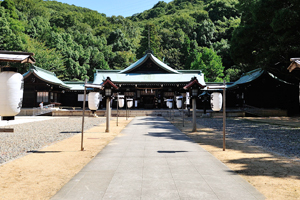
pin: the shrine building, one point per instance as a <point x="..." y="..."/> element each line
<point x="150" y="82"/>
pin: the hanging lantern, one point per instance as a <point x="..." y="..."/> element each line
<point x="216" y="101"/>
<point x="187" y="98"/>
<point x="121" y="101"/>
<point x="11" y="90"/>
<point x="129" y="103"/>
<point x="179" y="101"/>
<point x="94" y="100"/>
<point x="170" y="103"/>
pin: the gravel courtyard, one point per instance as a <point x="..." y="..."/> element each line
<point x="280" y="139"/>
<point x="32" y="136"/>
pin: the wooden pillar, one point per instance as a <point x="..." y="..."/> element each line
<point x="107" y="114"/>
<point x="224" y="116"/>
<point x="83" y="113"/>
<point x="194" y="115"/>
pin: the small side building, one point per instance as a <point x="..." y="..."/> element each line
<point x="262" y="89"/>
<point x="42" y="85"/>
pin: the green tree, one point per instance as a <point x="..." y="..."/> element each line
<point x="268" y="34"/>
<point x="9" y="5"/>
<point x="150" y="40"/>
<point x="8" y="39"/>
<point x="118" y="41"/>
<point x="233" y="74"/>
<point x="205" y="33"/>
<point x="210" y="64"/>
<point x="218" y="9"/>
<point x="48" y="59"/>
<point x="222" y="48"/>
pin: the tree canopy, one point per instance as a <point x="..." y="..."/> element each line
<point x="223" y="38"/>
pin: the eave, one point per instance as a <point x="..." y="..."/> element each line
<point x="192" y="83"/>
<point x="19" y="57"/>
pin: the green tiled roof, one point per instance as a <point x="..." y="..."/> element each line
<point x="247" y="77"/>
<point x="76" y="85"/>
<point x="46" y="76"/>
<point x="154" y="59"/>
<point x="170" y="76"/>
<point x="147" y="78"/>
<point x="252" y="75"/>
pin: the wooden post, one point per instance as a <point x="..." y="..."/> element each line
<point x="83" y="112"/>
<point x="107" y="114"/>
<point x="117" y="110"/>
<point x="126" y="109"/>
<point x="224" y="116"/>
<point x="194" y="115"/>
<point x="182" y="114"/>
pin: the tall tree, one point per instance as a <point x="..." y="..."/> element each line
<point x="268" y="34"/>
<point x="150" y="41"/>
<point x="8" y="39"/>
<point x="210" y="64"/>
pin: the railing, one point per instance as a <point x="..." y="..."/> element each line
<point x="40" y="111"/>
<point x="252" y="110"/>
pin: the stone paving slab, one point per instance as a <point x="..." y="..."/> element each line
<point x="151" y="159"/>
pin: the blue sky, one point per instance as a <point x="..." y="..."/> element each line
<point x="125" y="8"/>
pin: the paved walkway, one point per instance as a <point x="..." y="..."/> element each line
<point x="151" y="159"/>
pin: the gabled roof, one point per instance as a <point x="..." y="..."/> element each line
<point x="194" y="81"/>
<point x="108" y="82"/>
<point x="167" y="75"/>
<point x="150" y="56"/>
<point x="101" y="76"/>
<point x="46" y="76"/>
<point x="253" y="75"/>
<point x="294" y="65"/>
<point x="247" y="77"/>
<point x="13" y="56"/>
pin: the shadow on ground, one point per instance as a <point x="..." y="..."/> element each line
<point x="270" y="163"/>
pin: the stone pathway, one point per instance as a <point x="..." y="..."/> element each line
<point x="151" y="159"/>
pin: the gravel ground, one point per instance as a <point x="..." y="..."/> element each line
<point x="35" y="135"/>
<point x="27" y="137"/>
<point x="283" y="140"/>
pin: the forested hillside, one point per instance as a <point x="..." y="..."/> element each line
<point x="186" y="34"/>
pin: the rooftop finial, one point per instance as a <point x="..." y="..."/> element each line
<point x="148" y="37"/>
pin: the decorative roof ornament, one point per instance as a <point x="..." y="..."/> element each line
<point x="149" y="47"/>
<point x="294" y="65"/>
<point x="194" y="81"/>
<point x="148" y="51"/>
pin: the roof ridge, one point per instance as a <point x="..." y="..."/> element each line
<point x="253" y="71"/>
<point x="150" y="56"/>
<point x="43" y="70"/>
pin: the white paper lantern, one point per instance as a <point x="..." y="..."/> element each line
<point x="170" y="103"/>
<point x="11" y="93"/>
<point x="129" y="103"/>
<point x="179" y="101"/>
<point x="187" y="98"/>
<point x="121" y="101"/>
<point x="216" y="101"/>
<point x="94" y="100"/>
